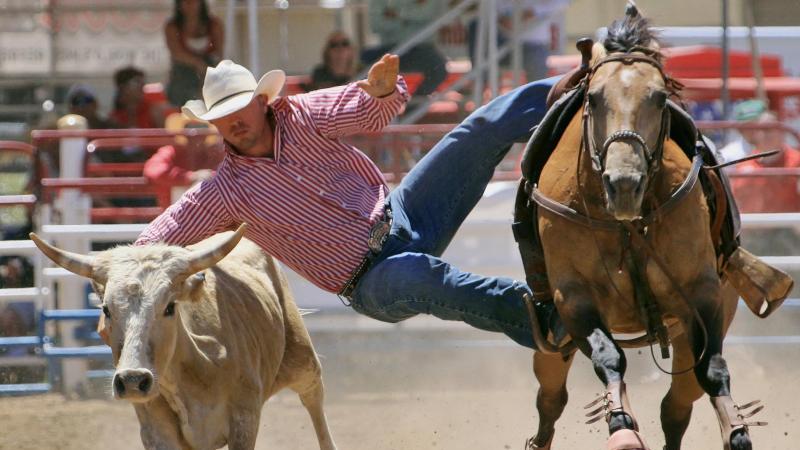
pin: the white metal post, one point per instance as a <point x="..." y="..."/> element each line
<point x="516" y="49"/>
<point x="74" y="209"/>
<point x="494" y="72"/>
<point x="230" y="34"/>
<point x="252" y="32"/>
<point x="480" y="53"/>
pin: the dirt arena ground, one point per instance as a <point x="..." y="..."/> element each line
<point x="427" y="384"/>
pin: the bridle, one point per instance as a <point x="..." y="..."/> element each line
<point x="653" y="157"/>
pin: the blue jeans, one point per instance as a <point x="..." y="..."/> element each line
<point x="407" y="277"/>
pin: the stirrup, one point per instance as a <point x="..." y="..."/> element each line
<point x="542" y="343"/>
<point x="732" y="416"/>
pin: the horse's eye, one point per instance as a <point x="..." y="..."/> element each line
<point x="106" y="311"/>
<point x="660" y="98"/>
<point x="591" y="98"/>
<point x="170" y="309"/>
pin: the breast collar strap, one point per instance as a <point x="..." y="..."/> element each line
<point x="654" y="216"/>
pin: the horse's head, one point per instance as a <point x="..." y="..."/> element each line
<point x="626" y="120"/>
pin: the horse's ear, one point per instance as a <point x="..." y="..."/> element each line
<point x="631" y="10"/>
<point x="598" y="52"/>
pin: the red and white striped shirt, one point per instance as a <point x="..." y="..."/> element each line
<point x="313" y="204"/>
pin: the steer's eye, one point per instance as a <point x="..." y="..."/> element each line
<point x="170" y="309"/>
<point x="106" y="311"/>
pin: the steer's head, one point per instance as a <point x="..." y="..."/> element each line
<point x="142" y="288"/>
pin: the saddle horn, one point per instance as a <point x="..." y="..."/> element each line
<point x="574" y="76"/>
<point x="584" y="45"/>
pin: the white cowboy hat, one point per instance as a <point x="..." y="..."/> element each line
<point x="230" y="87"/>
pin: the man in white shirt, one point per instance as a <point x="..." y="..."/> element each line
<point x="745" y="111"/>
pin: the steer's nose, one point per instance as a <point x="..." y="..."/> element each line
<point x="132" y="383"/>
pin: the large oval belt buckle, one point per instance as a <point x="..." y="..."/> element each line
<point x="377" y="236"/>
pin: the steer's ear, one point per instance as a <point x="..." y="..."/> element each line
<point x="193" y="285"/>
<point x="99" y="289"/>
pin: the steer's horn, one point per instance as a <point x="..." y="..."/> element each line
<point x="82" y="265"/>
<point x="203" y="259"/>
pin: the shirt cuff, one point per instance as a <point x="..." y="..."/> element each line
<point x="400" y="90"/>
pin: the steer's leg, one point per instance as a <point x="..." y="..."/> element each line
<point x="158" y="426"/>
<point x="551" y="372"/>
<point x="313" y="395"/>
<point x="243" y="426"/>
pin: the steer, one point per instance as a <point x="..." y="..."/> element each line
<point x="200" y="342"/>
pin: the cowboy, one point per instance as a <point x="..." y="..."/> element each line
<point x="323" y="208"/>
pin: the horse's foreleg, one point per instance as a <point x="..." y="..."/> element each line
<point x="676" y="407"/>
<point x="591" y="336"/>
<point x="610" y="364"/>
<point x="712" y="370"/>
<point x="551" y="372"/>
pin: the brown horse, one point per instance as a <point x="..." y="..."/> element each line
<point x="635" y="229"/>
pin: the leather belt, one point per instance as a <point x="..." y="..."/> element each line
<point x="377" y="237"/>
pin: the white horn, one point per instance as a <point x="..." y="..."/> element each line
<point x="203" y="259"/>
<point x="82" y="265"/>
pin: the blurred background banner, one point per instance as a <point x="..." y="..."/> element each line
<point x="81" y="38"/>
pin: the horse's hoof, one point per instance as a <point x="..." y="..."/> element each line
<point x="529" y="444"/>
<point x="626" y="440"/>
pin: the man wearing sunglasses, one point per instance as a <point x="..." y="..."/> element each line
<point x="338" y="65"/>
<point x="82" y="100"/>
<point x="323" y="208"/>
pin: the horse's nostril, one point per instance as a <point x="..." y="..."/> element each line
<point x="608" y="186"/>
<point x="639" y="188"/>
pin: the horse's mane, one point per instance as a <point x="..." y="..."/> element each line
<point x="631" y="32"/>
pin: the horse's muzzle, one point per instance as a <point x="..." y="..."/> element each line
<point x="624" y="193"/>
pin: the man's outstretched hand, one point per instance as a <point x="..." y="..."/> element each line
<point x="382" y="76"/>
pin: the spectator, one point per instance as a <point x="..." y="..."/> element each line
<point x="745" y="111"/>
<point x="338" y="63"/>
<point x="539" y="32"/>
<point x="82" y="100"/>
<point x="769" y="193"/>
<point x="397" y="21"/>
<point x="195" y="40"/>
<point x="131" y="108"/>
<point x="15" y="272"/>
<point x="174" y="168"/>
